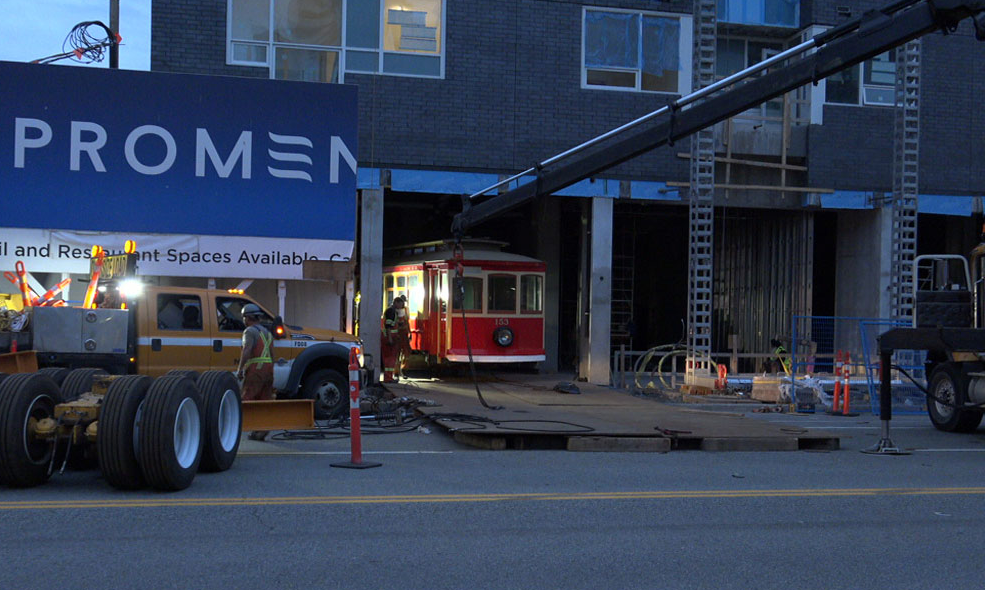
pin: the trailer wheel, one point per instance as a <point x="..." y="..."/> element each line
<point x="3" y="376"/>
<point x="193" y="375"/>
<point x="118" y="437"/>
<point x="330" y="391"/>
<point x="25" y="399"/>
<point x="79" y="381"/>
<point x="223" y="419"/>
<point x="950" y="385"/>
<point x="57" y="374"/>
<point x="170" y="446"/>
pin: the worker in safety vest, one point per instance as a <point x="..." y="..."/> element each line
<point x="390" y="341"/>
<point x="256" y="365"/>
<point x="403" y="338"/>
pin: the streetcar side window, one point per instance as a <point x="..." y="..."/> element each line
<point x="388" y="292"/>
<point x="531" y="294"/>
<point x="502" y="293"/>
<point x="415" y="294"/>
<point x="471" y="300"/>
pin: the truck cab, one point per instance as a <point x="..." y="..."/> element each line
<point x="201" y="329"/>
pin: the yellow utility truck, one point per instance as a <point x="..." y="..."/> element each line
<point x="178" y="328"/>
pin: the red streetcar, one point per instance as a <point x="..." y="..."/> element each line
<point x="503" y="301"/>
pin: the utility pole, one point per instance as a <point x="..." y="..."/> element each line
<point x="114" y="25"/>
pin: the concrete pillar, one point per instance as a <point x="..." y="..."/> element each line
<point x="863" y="262"/>
<point x="371" y="272"/>
<point x="548" y="228"/>
<point x="584" y="292"/>
<point x="600" y="292"/>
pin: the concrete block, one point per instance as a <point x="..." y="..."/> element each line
<point x="619" y="444"/>
<point x="750" y="444"/>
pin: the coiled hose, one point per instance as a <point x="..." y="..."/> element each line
<point x="639" y="368"/>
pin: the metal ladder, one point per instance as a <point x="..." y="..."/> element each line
<point x="623" y="279"/>
<point x="701" y="204"/>
<point x="906" y="143"/>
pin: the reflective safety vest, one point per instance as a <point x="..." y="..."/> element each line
<point x="263" y="355"/>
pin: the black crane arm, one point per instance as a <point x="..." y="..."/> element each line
<point x="839" y="48"/>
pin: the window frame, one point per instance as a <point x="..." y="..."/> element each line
<point x="481" y="297"/>
<point x="522" y="295"/>
<point x="685" y="22"/>
<point x="861" y="100"/>
<point x="271" y="45"/>
<point x="179" y="298"/>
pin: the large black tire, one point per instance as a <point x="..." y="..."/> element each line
<point x="79" y="381"/>
<point x="57" y="374"/>
<point x="119" y="425"/>
<point x="330" y="390"/>
<point x="25" y="397"/>
<point x="222" y="419"/>
<point x="950" y="385"/>
<point x="193" y="375"/>
<point x="3" y="376"/>
<point x="170" y="439"/>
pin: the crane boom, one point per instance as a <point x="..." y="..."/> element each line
<point x="837" y="49"/>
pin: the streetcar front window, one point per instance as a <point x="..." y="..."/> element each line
<point x="531" y="294"/>
<point x="502" y="293"/>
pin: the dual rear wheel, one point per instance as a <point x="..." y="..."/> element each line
<point x="156" y="432"/>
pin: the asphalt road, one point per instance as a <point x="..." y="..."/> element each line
<point x="440" y="515"/>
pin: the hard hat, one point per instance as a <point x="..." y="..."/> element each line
<point x="252" y="309"/>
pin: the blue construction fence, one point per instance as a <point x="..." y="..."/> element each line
<point x="815" y="342"/>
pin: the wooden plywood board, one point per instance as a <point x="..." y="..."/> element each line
<point x="610" y="413"/>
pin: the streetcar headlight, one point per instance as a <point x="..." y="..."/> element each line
<point x="503" y="336"/>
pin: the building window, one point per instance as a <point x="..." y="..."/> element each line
<point x="871" y="83"/>
<point x="736" y="54"/>
<point x="773" y="13"/>
<point x="320" y="40"/>
<point x="635" y="51"/>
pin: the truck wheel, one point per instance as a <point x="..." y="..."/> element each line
<point x="330" y="391"/>
<point x="223" y="419"/>
<point x="25" y="399"/>
<point x="170" y="446"/>
<point x="57" y="374"/>
<point x="2" y="377"/>
<point x="118" y="437"/>
<point x="79" y="381"/>
<point x="193" y="375"/>
<point x="950" y="385"/>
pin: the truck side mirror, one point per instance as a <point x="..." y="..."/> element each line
<point x="279" y="331"/>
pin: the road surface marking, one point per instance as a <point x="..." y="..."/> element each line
<point x="445" y="498"/>
<point x="282" y="453"/>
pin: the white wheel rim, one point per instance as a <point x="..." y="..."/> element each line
<point x="228" y="420"/>
<point x="328" y="394"/>
<point x="945" y="392"/>
<point x="187" y="433"/>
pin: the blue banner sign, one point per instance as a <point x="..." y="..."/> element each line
<point x="91" y="149"/>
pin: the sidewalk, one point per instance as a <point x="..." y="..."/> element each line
<point x="530" y="414"/>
